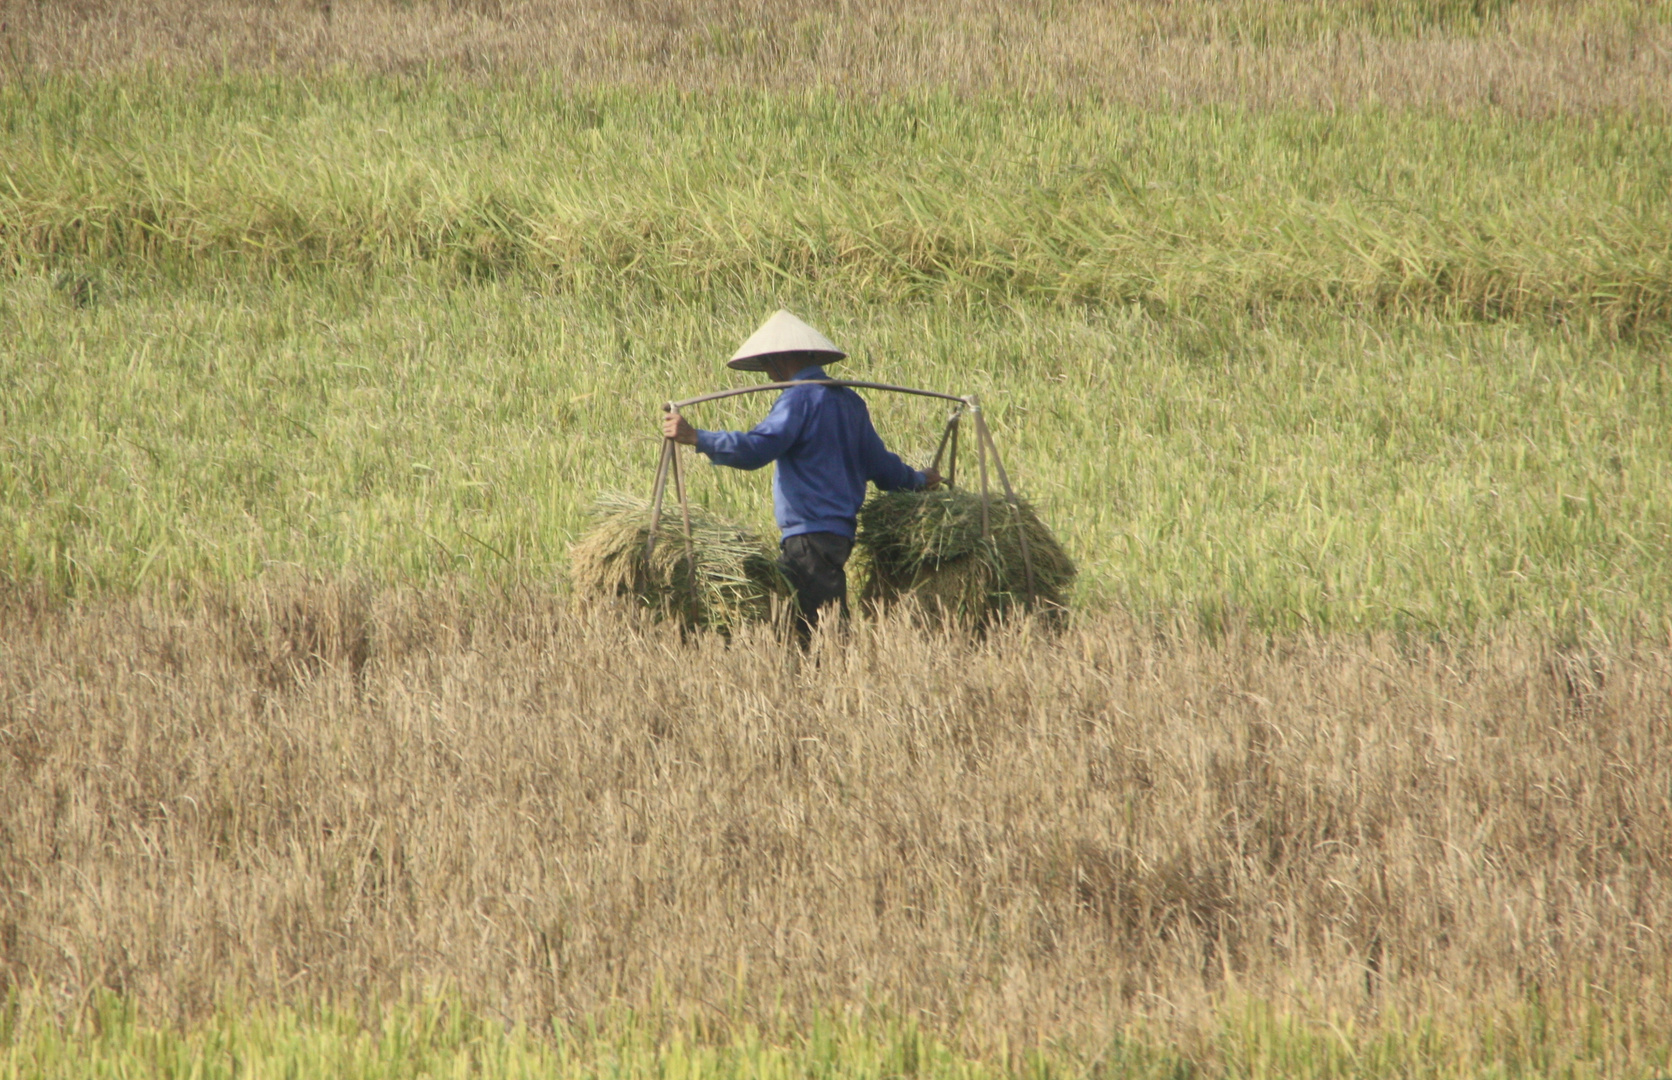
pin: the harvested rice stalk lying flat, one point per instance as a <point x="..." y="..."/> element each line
<point x="735" y="580"/>
<point x="929" y="545"/>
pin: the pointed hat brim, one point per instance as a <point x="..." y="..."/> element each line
<point x="783" y="333"/>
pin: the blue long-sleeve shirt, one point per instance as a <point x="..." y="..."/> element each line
<point x="827" y="451"/>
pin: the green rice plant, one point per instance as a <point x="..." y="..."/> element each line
<point x="931" y="545"/>
<point x="1365" y="369"/>
<point x="433" y="1037"/>
<point x="728" y="577"/>
<point x="909" y="199"/>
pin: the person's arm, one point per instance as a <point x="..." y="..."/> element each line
<point x="885" y="468"/>
<point x="746" y="449"/>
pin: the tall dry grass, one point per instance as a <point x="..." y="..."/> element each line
<point x="1529" y="57"/>
<point x="313" y="791"/>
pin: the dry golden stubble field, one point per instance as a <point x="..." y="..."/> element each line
<point x="317" y="792"/>
<point x="1533" y="58"/>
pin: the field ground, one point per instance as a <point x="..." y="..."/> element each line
<point x="1364" y="857"/>
<point x="1331" y="337"/>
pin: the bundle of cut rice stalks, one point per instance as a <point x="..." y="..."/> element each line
<point x="733" y="578"/>
<point x="929" y="545"/>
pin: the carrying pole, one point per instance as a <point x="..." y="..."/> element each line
<point x="856" y="384"/>
<point x="986" y="437"/>
<point x="656" y="496"/>
<point x="952" y="459"/>
<point x="948" y="445"/>
<point x="949" y="437"/>
<point x="981" y="462"/>
<point x="684" y="510"/>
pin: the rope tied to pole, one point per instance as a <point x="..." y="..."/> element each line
<point x="670" y="461"/>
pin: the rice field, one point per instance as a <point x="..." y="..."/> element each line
<point x="1306" y="370"/>
<point x="1330" y="340"/>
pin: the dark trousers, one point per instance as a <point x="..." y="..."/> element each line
<point x="816" y="566"/>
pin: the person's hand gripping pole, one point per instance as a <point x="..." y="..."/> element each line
<point x="676" y="428"/>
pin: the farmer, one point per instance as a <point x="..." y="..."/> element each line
<point x="826" y="450"/>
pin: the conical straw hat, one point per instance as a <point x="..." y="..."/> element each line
<point x="783" y="333"/>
